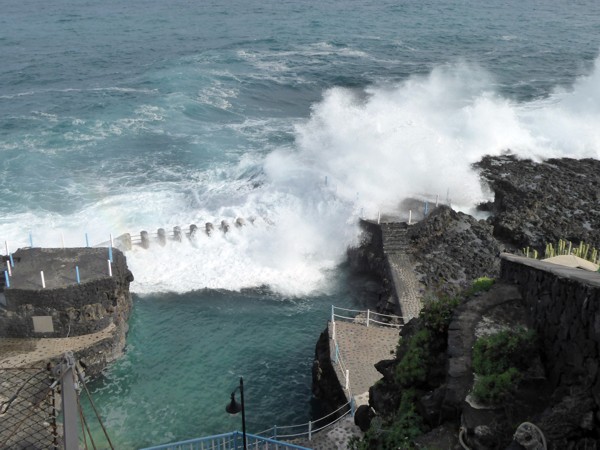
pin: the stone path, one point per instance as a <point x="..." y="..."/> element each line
<point x="360" y="348"/>
<point x="26" y="352"/>
<point x="407" y="286"/>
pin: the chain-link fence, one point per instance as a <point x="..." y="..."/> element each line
<point x="28" y="417"/>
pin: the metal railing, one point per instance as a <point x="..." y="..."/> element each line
<point x="229" y="441"/>
<point x="428" y="203"/>
<point x="361" y="317"/>
<point x="312" y="426"/>
<point x="366" y="317"/>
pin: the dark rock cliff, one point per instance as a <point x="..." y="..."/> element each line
<point x="539" y="202"/>
<point x="535" y="203"/>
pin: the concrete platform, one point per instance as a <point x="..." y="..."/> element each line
<point x="58" y="265"/>
<point x="360" y="348"/>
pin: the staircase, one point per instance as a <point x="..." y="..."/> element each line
<point x="401" y="267"/>
<point x="395" y="238"/>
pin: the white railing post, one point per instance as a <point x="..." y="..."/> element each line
<point x="347" y="379"/>
<point x="109" y="268"/>
<point x="368" y="316"/>
<point x="333" y="331"/>
<point x="332" y="314"/>
<point x="437" y="199"/>
<point x="409" y="217"/>
<point x="379" y="217"/>
<point x="43" y="280"/>
<point x="310" y="430"/>
<point x="9" y="269"/>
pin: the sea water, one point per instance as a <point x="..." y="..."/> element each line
<point x="297" y="116"/>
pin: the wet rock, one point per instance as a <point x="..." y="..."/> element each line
<point x="363" y="416"/>
<point x="452" y="250"/>
<point x="536" y="203"/>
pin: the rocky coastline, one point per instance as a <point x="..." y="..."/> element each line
<point x="535" y="203"/>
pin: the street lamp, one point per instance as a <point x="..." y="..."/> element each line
<point x="234" y="408"/>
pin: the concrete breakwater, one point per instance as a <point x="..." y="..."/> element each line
<point x="81" y="294"/>
<point x="145" y="239"/>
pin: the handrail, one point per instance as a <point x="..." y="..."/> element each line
<point x="307" y="424"/>
<point x="279" y="427"/>
<point x="344" y="317"/>
<point x="346" y="309"/>
<point x="368" y="319"/>
<point x="334" y="422"/>
<point x="231" y="443"/>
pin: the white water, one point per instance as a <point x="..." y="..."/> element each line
<point x="374" y="147"/>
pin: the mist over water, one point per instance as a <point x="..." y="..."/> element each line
<point x="121" y="117"/>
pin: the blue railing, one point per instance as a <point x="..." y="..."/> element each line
<point x="229" y="441"/>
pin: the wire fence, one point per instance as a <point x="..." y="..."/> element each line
<point x="28" y="414"/>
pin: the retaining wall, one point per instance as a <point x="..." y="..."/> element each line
<point x="564" y="306"/>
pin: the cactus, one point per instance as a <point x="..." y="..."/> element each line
<point x="565" y="247"/>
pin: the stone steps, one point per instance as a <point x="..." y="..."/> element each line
<point x="394" y="237"/>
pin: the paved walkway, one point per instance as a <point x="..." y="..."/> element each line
<point x="407" y="286"/>
<point x="25" y="352"/>
<point x="360" y="348"/>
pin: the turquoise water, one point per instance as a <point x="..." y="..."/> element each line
<point x="117" y="117"/>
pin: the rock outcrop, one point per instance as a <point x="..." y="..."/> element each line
<point x="540" y="202"/>
<point x="452" y="250"/>
<point x="535" y="203"/>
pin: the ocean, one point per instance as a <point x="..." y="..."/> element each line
<point x="298" y="117"/>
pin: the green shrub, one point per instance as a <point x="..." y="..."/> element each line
<point x="407" y="424"/>
<point x="480" y="284"/>
<point x="495" y="388"/>
<point x="413" y="367"/>
<point x="398" y="432"/>
<point x="437" y="313"/>
<point x="496" y="353"/>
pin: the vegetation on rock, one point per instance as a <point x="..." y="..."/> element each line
<point x="412" y="377"/>
<point x="481" y="284"/>
<point x="498" y="360"/>
<point x="566" y="247"/>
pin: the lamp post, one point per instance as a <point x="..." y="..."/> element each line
<point x="234" y="408"/>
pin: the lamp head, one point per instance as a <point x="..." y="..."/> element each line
<point x="233" y="407"/>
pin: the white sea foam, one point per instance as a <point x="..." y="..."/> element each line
<point x="374" y="147"/>
<point x="422" y="135"/>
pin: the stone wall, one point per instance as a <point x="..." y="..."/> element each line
<point x="564" y="306"/>
<point x="75" y="309"/>
<point x="325" y="383"/>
